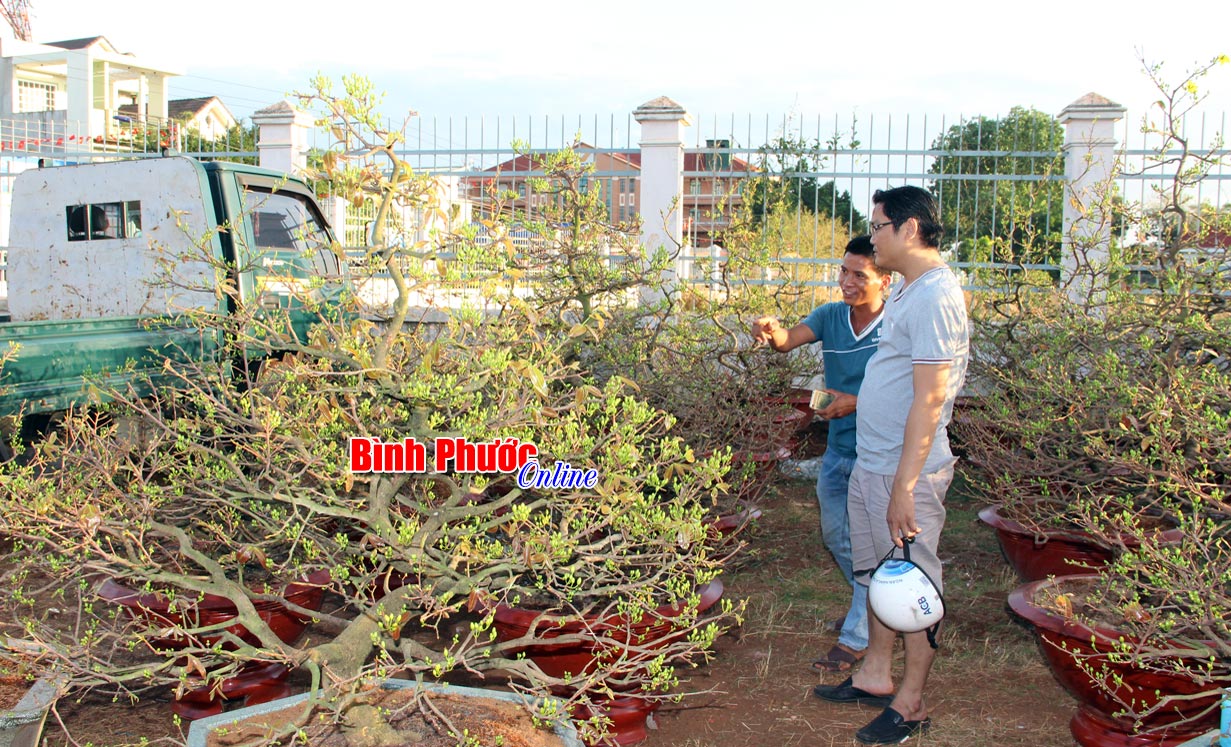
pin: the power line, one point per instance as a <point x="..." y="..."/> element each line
<point x="232" y="83"/>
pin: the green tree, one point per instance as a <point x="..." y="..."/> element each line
<point x="790" y="179"/>
<point x="238" y="139"/>
<point x="1009" y="220"/>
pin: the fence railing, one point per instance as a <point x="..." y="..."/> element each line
<point x="1000" y="181"/>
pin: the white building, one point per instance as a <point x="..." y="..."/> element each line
<point x="62" y="94"/>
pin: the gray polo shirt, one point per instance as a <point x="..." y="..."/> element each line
<point x="924" y="322"/>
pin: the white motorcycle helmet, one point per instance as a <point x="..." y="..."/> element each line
<point x="904" y="598"/>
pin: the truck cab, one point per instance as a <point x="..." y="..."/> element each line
<point x="108" y="262"/>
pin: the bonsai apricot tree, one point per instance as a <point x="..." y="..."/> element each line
<point x="1108" y="409"/>
<point x="239" y="480"/>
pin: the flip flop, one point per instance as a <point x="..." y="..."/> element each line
<point x="840" y="658"/>
<point x="848" y="693"/>
<point x="891" y="727"/>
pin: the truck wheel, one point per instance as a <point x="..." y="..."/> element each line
<point x="35" y="427"/>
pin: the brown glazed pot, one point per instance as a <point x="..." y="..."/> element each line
<point x="212" y="609"/>
<point x="763" y="465"/>
<point x="256" y="682"/>
<point x="628" y="715"/>
<point x="729" y="525"/>
<point x="612" y="633"/>
<point x="1096" y="724"/>
<point x="1036" y="555"/>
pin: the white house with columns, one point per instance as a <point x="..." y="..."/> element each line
<point x="72" y="91"/>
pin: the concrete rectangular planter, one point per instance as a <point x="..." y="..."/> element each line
<point x="22" y="726"/>
<point x="198" y="733"/>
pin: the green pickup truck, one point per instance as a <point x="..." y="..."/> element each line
<point x="104" y="259"/>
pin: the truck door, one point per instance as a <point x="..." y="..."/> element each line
<point x="290" y="251"/>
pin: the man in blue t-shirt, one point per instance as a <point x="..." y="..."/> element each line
<point x="848" y="332"/>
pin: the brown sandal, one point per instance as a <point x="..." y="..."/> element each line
<point x="839" y="659"/>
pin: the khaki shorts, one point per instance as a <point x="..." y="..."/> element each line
<point x="867" y="506"/>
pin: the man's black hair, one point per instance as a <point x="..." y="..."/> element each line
<point x="861" y="245"/>
<point x="900" y="204"/>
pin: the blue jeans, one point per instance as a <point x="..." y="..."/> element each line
<point x="831" y="489"/>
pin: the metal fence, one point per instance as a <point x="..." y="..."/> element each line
<point x="1149" y="164"/>
<point x="826" y="168"/>
<point x="999" y="180"/>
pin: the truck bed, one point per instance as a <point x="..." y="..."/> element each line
<point x="62" y="363"/>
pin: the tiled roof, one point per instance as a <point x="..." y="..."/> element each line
<point x="692" y="161"/>
<point x="177" y="108"/>
<point x="85" y="43"/>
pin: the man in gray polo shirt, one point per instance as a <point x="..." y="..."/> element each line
<point x="904" y="465"/>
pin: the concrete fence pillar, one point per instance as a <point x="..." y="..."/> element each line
<point x="158" y="97"/>
<point x="335" y="213"/>
<point x="1090" y="166"/>
<point x="662" y="178"/>
<point x="283" y="140"/>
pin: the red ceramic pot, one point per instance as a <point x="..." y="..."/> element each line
<point x="764" y="462"/>
<point x="255" y="683"/>
<point x="628" y="715"/>
<point x="1036" y="555"/>
<point x="801" y="399"/>
<point x="777" y="425"/>
<point x="308" y="593"/>
<point x="728" y="525"/>
<point x="787" y="426"/>
<point x="607" y="637"/>
<point x="1096" y="723"/>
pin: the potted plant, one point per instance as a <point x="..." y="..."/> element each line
<point x="262" y="467"/>
<point x="1103" y="411"/>
<point x="1062" y="396"/>
<point x="255" y="682"/>
<point x="1101" y="398"/>
<point x="607" y="641"/>
<point x="1136" y="681"/>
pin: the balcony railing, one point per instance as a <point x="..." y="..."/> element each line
<point x="50" y="133"/>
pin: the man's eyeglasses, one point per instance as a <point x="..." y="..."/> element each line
<point x="878" y="226"/>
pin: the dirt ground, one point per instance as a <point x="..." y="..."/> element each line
<point x="989" y="685"/>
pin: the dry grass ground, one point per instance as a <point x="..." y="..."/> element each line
<point x="989" y="685"/>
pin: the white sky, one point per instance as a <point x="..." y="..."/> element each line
<point x="718" y="58"/>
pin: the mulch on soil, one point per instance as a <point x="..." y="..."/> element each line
<point x="425" y="724"/>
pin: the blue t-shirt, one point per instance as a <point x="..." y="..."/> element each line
<point x="845" y="355"/>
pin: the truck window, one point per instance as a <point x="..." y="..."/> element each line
<point x="104" y="220"/>
<point x="288" y="234"/>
